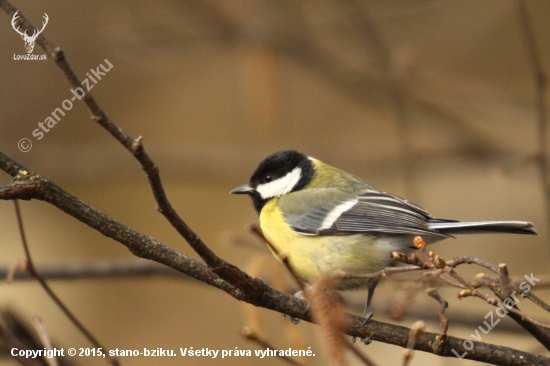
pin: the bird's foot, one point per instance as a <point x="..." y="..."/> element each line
<point x="366" y="340"/>
<point x="299" y="295"/>
<point x="367" y="315"/>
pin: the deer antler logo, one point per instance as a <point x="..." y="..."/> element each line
<point x="29" y="40"/>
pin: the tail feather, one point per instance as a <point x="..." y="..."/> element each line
<point x="482" y="227"/>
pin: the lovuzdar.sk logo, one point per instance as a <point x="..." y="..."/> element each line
<point x="29" y="40"/>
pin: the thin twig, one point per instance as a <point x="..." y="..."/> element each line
<point x="416" y="331"/>
<point x="32" y="270"/>
<point x="443" y="321"/>
<point x="535" y="299"/>
<point x="471" y="260"/>
<point x="92" y="270"/>
<point x="45" y="338"/>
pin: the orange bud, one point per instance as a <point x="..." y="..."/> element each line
<point x="419" y="242"/>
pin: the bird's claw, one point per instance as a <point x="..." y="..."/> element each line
<point x="299" y="295"/>
<point x="368" y="314"/>
<point x="367" y="340"/>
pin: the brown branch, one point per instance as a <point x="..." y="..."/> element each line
<point x="32" y="270"/>
<point x="45" y="338"/>
<point x="91" y="270"/>
<point x="535" y="299"/>
<point x="472" y="260"/>
<point x="443" y="321"/>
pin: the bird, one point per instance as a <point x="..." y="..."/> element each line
<point x="325" y="220"/>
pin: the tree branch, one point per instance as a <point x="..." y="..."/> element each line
<point x="91" y="270"/>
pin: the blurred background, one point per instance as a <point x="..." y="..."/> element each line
<point x="432" y="100"/>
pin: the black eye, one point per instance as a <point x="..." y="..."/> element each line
<point x="268" y="178"/>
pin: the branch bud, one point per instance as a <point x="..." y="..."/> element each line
<point x="464" y="293"/>
<point x="440" y="262"/>
<point x="480" y="276"/>
<point x="399" y="257"/>
<point x="416" y="329"/>
<point x="419" y="242"/>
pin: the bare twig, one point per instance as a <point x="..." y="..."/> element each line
<point x="443" y="321"/>
<point x="92" y="269"/>
<point x="506" y="287"/>
<point x="472" y="260"/>
<point x="45" y="338"/>
<point x="9" y="273"/>
<point x="535" y="299"/>
<point x="32" y="270"/>
<point x="416" y="330"/>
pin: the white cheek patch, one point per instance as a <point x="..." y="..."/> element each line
<point x="280" y="186"/>
<point x="335" y="213"/>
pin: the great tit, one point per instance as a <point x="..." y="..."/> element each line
<point x="324" y="219"/>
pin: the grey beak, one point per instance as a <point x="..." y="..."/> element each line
<point x="244" y="189"/>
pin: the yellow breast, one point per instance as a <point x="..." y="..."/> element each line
<point x="311" y="255"/>
<point x="296" y="247"/>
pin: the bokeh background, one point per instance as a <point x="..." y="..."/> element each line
<point x="431" y="100"/>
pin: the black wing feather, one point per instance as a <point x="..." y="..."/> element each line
<point x="374" y="212"/>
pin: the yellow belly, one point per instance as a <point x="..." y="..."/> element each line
<point x="311" y="255"/>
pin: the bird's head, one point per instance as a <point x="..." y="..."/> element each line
<point x="280" y="173"/>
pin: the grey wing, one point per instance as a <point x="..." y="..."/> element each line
<point x="369" y="212"/>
